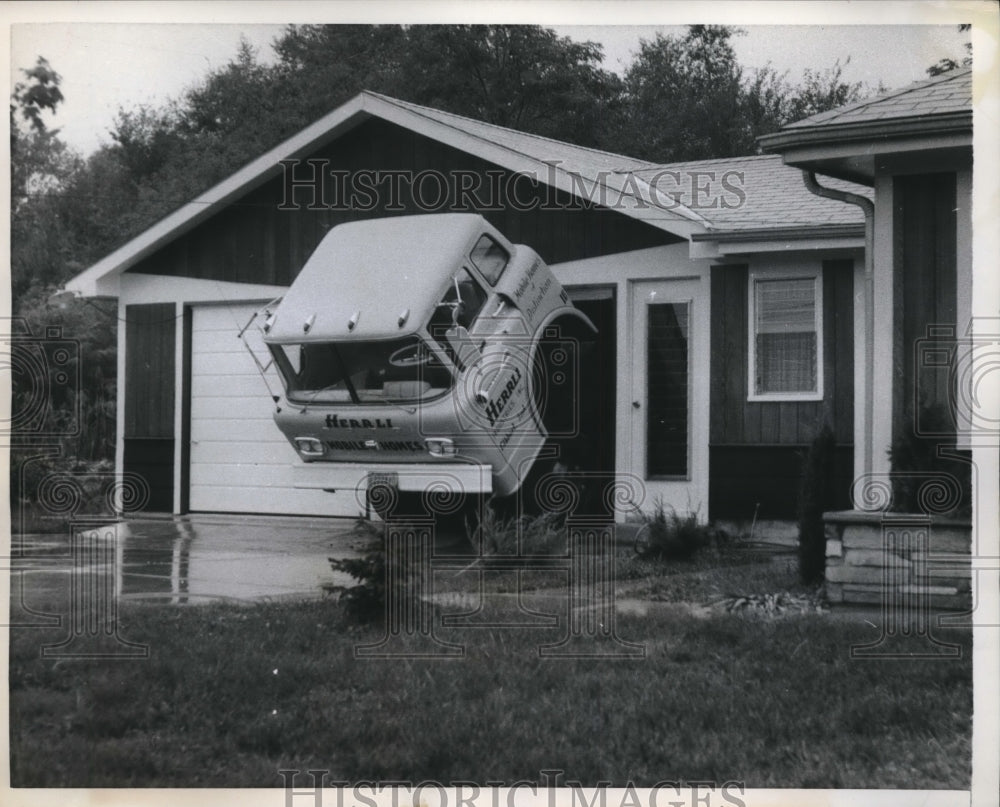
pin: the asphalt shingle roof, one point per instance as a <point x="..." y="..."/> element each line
<point x="948" y="93"/>
<point x="543" y="149"/>
<point x="774" y="194"/>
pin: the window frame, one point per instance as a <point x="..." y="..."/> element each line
<point x="492" y="281"/>
<point x="815" y="273"/>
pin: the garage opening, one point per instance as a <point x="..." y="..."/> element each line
<point x="597" y="396"/>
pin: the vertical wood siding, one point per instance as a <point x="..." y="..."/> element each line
<point x="149" y="399"/>
<point x="756" y="448"/>
<point x="149" y="370"/>
<point x="925" y="285"/>
<point x="737" y="421"/>
<point x="253" y="241"/>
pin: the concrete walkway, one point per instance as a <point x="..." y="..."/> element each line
<point x="190" y="559"/>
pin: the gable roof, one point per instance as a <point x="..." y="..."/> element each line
<point x="574" y="169"/>
<point x="628" y="185"/>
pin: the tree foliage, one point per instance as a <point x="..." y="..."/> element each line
<point x="39" y="92"/>
<point x="688" y="98"/>
<point x="684" y="95"/>
<point x="947" y="64"/>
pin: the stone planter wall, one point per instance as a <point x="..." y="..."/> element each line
<point x="879" y="557"/>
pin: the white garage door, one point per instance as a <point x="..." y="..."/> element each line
<point x="240" y="461"/>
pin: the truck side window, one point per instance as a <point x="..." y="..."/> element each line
<point x="490" y="258"/>
<point x="460" y="305"/>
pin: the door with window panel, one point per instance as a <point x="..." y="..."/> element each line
<point x="669" y="411"/>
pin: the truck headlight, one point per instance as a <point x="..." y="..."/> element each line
<point x="440" y="447"/>
<point x="309" y="446"/>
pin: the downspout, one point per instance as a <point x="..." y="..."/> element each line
<point x="868" y="208"/>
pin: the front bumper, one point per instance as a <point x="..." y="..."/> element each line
<point x="460" y="478"/>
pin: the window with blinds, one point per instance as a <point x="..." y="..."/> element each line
<point x="785" y="337"/>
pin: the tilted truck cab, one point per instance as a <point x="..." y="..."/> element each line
<point x="426" y="353"/>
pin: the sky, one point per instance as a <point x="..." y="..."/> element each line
<point x="110" y="65"/>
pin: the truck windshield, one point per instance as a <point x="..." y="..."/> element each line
<point x="388" y="371"/>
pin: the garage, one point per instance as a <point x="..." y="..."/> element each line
<point x="240" y="462"/>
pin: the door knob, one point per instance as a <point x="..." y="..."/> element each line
<point x="635" y="404"/>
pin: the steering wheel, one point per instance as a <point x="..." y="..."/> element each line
<point x="410" y="355"/>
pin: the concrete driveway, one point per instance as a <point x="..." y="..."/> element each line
<point x="187" y="560"/>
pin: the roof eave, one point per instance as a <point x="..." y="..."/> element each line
<point x="863" y="135"/>
<point x="783" y="233"/>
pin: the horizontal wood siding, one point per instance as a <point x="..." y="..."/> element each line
<point x="253" y="241"/>
<point x="149" y="399"/>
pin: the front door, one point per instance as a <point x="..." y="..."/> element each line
<point x="669" y="390"/>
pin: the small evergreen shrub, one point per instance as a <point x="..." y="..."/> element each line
<point x="365" y="602"/>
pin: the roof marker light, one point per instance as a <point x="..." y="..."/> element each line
<point x="308" y="323"/>
<point x="405" y="315"/>
<point x="353" y="321"/>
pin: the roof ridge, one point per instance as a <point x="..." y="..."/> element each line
<point x="712" y="160"/>
<point x="422" y="107"/>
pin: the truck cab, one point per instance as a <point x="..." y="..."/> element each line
<point x="426" y="356"/>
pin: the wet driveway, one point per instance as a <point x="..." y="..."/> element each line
<point x="185" y="560"/>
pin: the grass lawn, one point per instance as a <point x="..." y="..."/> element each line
<point x="231" y="694"/>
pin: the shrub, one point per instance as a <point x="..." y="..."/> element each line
<point x="814" y="498"/>
<point x="540" y="534"/>
<point x="667" y="535"/>
<point x="30" y="468"/>
<point x="366" y="600"/>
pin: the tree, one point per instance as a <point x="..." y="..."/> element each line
<point x="688" y="98"/>
<point x="45" y="251"/>
<point x="822" y="90"/>
<point x="39" y="93"/>
<point x="520" y="76"/>
<point x="946" y="64"/>
<point x="41" y="167"/>
<point x="683" y="97"/>
<point x="38" y="157"/>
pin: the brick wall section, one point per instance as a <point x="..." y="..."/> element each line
<point x="875" y="558"/>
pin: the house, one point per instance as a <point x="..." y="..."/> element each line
<point x="913" y="310"/>
<point x="725" y="293"/>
